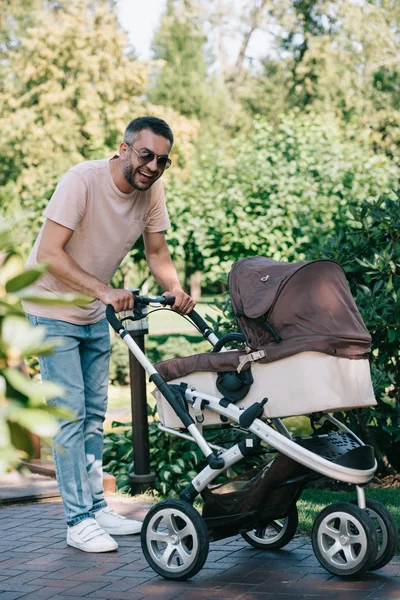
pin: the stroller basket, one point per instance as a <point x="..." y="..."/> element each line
<point x="267" y="495"/>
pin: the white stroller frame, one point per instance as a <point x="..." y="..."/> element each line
<point x="279" y="439"/>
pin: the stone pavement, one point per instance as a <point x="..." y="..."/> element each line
<point x="36" y="564"/>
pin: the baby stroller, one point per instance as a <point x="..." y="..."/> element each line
<point x="305" y="352"/>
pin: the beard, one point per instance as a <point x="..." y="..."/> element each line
<point x="129" y="173"/>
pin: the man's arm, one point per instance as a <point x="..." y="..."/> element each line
<point x="62" y="267"/>
<point x="164" y="272"/>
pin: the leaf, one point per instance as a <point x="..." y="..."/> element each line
<point x="19" y="334"/>
<point x="52" y="299"/>
<point x="30" y="388"/>
<point x="39" y="422"/>
<point x="24" y="279"/>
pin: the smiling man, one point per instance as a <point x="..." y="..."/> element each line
<point x="98" y="211"/>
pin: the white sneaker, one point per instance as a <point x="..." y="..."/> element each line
<point x="116" y="524"/>
<point x="87" y="535"/>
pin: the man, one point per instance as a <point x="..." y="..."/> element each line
<point x="97" y="213"/>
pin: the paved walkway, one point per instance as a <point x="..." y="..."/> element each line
<point x="36" y="564"/>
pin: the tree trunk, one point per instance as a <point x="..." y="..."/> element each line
<point x="254" y="22"/>
<point x="195" y="285"/>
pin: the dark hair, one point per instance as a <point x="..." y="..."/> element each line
<point x="157" y="126"/>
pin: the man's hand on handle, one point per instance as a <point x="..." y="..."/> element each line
<point x="184" y="303"/>
<point x="119" y="299"/>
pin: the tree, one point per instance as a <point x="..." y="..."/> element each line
<point x="69" y="90"/>
<point x="180" y="79"/>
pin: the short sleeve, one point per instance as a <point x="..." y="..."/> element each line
<point x="67" y="205"/>
<point x="158" y="219"/>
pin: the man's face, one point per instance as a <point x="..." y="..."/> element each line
<point x="142" y="176"/>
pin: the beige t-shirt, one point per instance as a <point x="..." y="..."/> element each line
<point x="106" y="224"/>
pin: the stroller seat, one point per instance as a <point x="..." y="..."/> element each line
<point x="310" y="343"/>
<point x="297" y="385"/>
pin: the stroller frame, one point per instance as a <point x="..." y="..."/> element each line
<point x="187" y="536"/>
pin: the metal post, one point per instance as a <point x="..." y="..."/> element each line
<point x="141" y="477"/>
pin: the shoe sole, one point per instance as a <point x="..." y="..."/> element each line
<point x="116" y="532"/>
<point x="74" y="545"/>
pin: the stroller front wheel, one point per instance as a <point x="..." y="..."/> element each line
<point x="386" y="529"/>
<point x="276" y="534"/>
<point x="344" y="539"/>
<point x="175" y="539"/>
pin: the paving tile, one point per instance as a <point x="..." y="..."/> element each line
<point x="114" y="595"/>
<point x="83" y="589"/>
<point x="12" y="595"/>
<point x="45" y="568"/>
<point x="47" y="593"/>
<point x="16" y="587"/>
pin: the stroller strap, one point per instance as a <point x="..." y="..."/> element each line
<point x="251" y="357"/>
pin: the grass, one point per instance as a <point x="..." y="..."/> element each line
<point x="167" y="321"/>
<point x="313" y="501"/>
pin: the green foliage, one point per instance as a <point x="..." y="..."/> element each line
<point x="180" y="78"/>
<point x="175" y="461"/>
<point x="22" y="406"/>
<point x="279" y="192"/>
<point x="369" y="250"/>
<point x="68" y="90"/>
<point x="158" y="348"/>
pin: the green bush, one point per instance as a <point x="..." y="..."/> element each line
<point x="276" y="191"/>
<point x="367" y="245"/>
<point x="158" y="348"/>
<point x="369" y="250"/>
<point x="174" y="460"/>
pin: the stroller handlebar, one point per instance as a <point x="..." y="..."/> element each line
<point x="117" y="325"/>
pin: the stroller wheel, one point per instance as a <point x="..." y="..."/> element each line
<point x="276" y="534"/>
<point x="344" y="539"/>
<point x="175" y="539"/>
<point x="386" y="530"/>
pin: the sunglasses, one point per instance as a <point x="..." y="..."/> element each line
<point x="147" y="156"/>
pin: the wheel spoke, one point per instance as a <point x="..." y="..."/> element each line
<point x="169" y="524"/>
<point x="260" y="533"/>
<point x="350" y="555"/>
<point x="159" y="536"/>
<point x="329" y="531"/>
<point x="165" y="558"/>
<point x="356" y="539"/>
<point x="333" y="550"/>
<point x="185" y="556"/>
<point x="277" y="525"/>
<point x="186" y="531"/>
<point x="345" y="527"/>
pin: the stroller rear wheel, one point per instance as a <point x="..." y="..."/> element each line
<point x="344" y="539"/>
<point x="276" y="534"/>
<point x="175" y="539"/>
<point x="386" y="530"/>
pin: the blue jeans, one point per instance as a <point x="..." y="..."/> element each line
<point x="81" y="367"/>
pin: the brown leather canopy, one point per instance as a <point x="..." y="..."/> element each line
<point x="308" y="304"/>
<point x="284" y="309"/>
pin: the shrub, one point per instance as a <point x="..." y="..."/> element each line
<point x="174" y="460"/>
<point x="369" y="250"/>
<point x="158" y="348"/>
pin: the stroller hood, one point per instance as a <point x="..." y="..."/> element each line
<point x="286" y="308"/>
